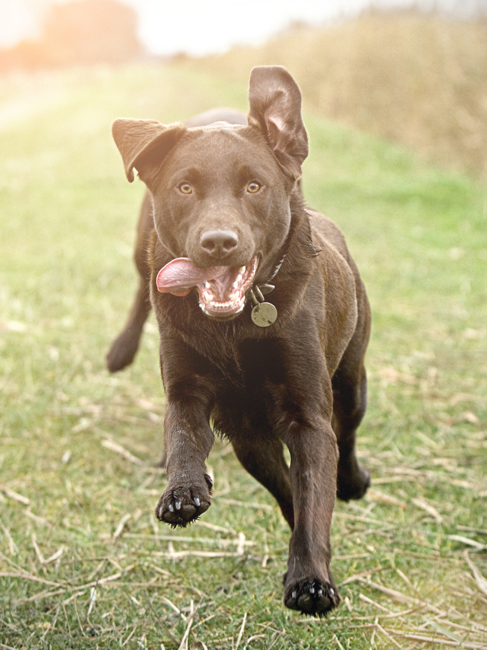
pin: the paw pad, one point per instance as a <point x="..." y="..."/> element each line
<point x="181" y="506"/>
<point x="312" y="597"/>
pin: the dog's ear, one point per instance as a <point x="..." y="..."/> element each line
<point x="143" y="144"/>
<point x="275" y="108"/>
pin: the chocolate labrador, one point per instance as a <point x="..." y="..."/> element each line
<point x="262" y="314"/>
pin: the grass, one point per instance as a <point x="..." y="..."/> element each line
<point x="83" y="564"/>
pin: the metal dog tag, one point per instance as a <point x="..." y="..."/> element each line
<point x="265" y="288"/>
<point x="264" y="314"/>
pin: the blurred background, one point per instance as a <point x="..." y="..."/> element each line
<point x="395" y="103"/>
<point x="413" y="72"/>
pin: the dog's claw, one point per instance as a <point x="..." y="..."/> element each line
<point x="179" y="507"/>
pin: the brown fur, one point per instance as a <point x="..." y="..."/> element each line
<point x="300" y="382"/>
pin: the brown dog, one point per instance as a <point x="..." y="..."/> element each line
<point x="263" y="319"/>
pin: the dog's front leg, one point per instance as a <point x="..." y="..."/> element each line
<point x="308" y="583"/>
<point x="188" y="441"/>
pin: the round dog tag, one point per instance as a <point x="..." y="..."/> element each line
<point x="264" y="314"/>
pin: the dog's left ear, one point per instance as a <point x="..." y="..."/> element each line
<point x="275" y="108"/>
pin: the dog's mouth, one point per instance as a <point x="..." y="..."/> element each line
<point x="221" y="289"/>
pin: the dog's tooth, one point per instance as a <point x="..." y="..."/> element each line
<point x="206" y="284"/>
<point x="197" y="502"/>
<point x="238" y="280"/>
<point x="320" y="592"/>
<point x="178" y="505"/>
<point x="170" y="507"/>
<point x="332" y="591"/>
<point x="312" y="590"/>
<point x="294" y="594"/>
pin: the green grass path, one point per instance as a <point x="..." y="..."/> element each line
<point x="83" y="564"/>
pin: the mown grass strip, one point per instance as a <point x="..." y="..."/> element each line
<point x="68" y="219"/>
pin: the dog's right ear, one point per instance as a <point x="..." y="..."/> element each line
<point x="275" y="109"/>
<point x="143" y="144"/>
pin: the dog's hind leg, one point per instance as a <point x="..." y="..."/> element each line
<point x="125" y="346"/>
<point x="264" y="460"/>
<point x="349" y="408"/>
<point x="349" y="404"/>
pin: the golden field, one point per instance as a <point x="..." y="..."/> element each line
<point x="420" y="80"/>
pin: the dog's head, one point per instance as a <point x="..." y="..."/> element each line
<point x="222" y="192"/>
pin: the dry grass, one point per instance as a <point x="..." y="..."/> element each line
<point x="83" y="562"/>
<point x="414" y="79"/>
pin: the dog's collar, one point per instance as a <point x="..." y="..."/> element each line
<point x="266" y="287"/>
<point x="264" y="313"/>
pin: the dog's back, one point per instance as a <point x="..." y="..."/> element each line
<point x="213" y="115"/>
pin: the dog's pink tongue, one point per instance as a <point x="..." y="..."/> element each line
<point x="179" y="276"/>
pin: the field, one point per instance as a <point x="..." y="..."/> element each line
<point x="416" y="79"/>
<point x="83" y="563"/>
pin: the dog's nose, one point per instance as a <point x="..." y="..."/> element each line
<point x="219" y="243"/>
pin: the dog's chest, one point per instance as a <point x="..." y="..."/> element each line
<point x="250" y="395"/>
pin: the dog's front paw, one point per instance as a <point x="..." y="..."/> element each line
<point x="312" y="597"/>
<point x="181" y="505"/>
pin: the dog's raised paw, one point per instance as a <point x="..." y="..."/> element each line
<point x="312" y="597"/>
<point x="181" y="506"/>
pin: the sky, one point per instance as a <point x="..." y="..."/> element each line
<point x="199" y="27"/>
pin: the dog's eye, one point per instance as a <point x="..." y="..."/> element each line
<point x="185" y="188"/>
<point x="253" y="187"/>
